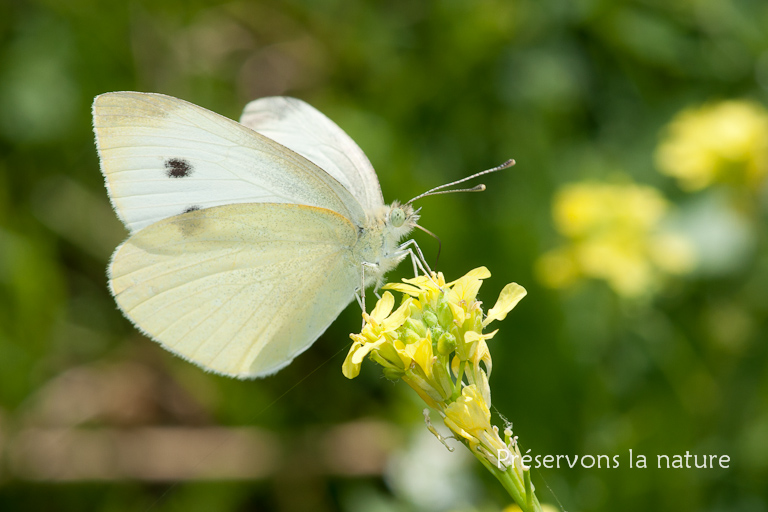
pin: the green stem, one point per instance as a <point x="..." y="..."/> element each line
<point x="459" y="382"/>
<point x="528" y="488"/>
<point x="514" y="485"/>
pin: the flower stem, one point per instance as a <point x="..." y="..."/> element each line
<point x="459" y="382"/>
<point x="520" y="489"/>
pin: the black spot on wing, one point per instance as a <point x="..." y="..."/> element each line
<point x="177" y="168"/>
<point x="192" y="208"/>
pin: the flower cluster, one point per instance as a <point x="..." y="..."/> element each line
<point x="614" y="233"/>
<point x="434" y="341"/>
<point x="722" y="142"/>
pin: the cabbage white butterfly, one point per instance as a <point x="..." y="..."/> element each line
<point x="247" y="239"/>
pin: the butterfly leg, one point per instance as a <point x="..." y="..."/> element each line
<point x="415" y="268"/>
<point x="361" y="300"/>
<point x="420" y="261"/>
<point x="427" y="272"/>
<point x="360" y="293"/>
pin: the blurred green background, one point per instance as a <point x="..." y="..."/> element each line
<point x="95" y="417"/>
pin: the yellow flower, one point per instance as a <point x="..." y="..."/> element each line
<point x="614" y="234"/>
<point x="558" y="268"/>
<point x="470" y="418"/>
<point x="422" y="287"/>
<point x="720" y="142"/>
<point x="439" y="328"/>
<point x="476" y="351"/>
<point x="379" y="329"/>
<point x="421" y="354"/>
<point x="582" y="209"/>
<point x="465" y="288"/>
<point x="435" y="343"/>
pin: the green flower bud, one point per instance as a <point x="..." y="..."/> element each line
<point x="410" y="336"/>
<point x="430" y="318"/>
<point x="444" y="315"/>
<point x="416" y="326"/>
<point x="392" y="373"/>
<point x="446" y="344"/>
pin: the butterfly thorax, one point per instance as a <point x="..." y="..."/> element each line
<point x="378" y="243"/>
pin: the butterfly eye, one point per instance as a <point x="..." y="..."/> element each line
<point x="397" y="217"/>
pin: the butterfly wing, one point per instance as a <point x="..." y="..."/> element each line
<point x="302" y="128"/>
<point x="162" y="156"/>
<point x="239" y="289"/>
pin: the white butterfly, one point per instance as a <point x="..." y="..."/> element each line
<point x="247" y="240"/>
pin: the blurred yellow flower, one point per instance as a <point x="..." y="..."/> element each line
<point x="722" y="142"/>
<point x="614" y="234"/>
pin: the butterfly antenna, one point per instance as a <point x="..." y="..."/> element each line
<point x="439" y="243"/>
<point x="479" y="188"/>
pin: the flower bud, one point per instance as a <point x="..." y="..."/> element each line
<point x="446" y="344"/>
<point x="410" y="336"/>
<point x="392" y="374"/>
<point x="436" y="331"/>
<point x="430" y="318"/>
<point x="416" y="326"/>
<point x="444" y="314"/>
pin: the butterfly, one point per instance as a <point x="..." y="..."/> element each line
<point x="247" y="238"/>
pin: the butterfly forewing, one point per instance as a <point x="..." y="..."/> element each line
<point x="162" y="156"/>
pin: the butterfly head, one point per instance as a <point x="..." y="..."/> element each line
<point x="401" y="219"/>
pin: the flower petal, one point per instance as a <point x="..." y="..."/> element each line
<point x="477" y="273"/>
<point x="401" y="353"/>
<point x="508" y="299"/>
<point x="398" y="318"/>
<point x="420" y="281"/>
<point x="359" y="354"/>
<point x="349" y="369"/>
<point x="421" y="352"/>
<point x="469" y="413"/>
<point x="458" y="313"/>
<point x="464" y="290"/>
<point x="383" y="307"/>
<point x="472" y="336"/>
<point x="411" y="290"/>
<point x="484" y="387"/>
<point x="455" y="363"/>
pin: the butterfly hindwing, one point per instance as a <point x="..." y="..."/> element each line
<point x="307" y="131"/>
<point x="239" y="289"/>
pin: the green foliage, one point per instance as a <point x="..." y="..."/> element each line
<point x="432" y="91"/>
